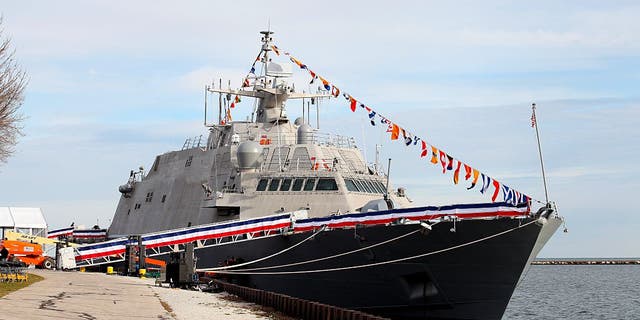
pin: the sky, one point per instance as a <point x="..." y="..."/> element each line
<point x="112" y="84"/>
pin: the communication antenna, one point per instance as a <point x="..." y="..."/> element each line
<point x="386" y="193"/>
<point x="376" y="165"/>
<point x="206" y="90"/>
<point x="220" y="104"/>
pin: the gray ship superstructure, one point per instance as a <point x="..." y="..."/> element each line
<point x="271" y="165"/>
<point x="248" y="169"/>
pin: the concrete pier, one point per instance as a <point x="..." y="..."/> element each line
<point x="79" y="295"/>
<point x="94" y="296"/>
<point x="600" y="261"/>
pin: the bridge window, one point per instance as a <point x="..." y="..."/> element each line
<point x="262" y="185"/>
<point x="351" y="186"/>
<point x="381" y="186"/>
<point x="365" y="186"/>
<point x="308" y="186"/>
<point x="297" y="184"/>
<point x="286" y="184"/>
<point x="328" y="184"/>
<point x="371" y="186"/>
<point x="274" y="184"/>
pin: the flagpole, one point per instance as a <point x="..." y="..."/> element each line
<point x="534" y="122"/>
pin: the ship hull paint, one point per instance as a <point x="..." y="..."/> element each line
<point x="471" y="282"/>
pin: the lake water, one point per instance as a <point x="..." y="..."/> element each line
<point x="577" y="292"/>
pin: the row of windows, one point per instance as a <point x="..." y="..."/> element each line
<point x="368" y="186"/>
<point x="297" y="184"/>
<point x="319" y="184"/>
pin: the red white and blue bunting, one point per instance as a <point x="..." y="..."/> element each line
<point x="287" y="222"/>
<point x="185" y="235"/>
<point x="77" y="234"/>
<point x="64" y="232"/>
<point x="458" y="211"/>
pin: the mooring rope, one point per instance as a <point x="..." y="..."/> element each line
<point x="335" y="255"/>
<point x="240" y="272"/>
<point x="267" y="257"/>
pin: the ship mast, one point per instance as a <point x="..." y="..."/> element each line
<point x="271" y="94"/>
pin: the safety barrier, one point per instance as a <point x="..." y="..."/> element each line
<point x="12" y="273"/>
<point x="294" y="307"/>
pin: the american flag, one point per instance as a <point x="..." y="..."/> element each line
<point x="533" y="116"/>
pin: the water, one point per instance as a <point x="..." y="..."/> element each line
<point x="577" y="292"/>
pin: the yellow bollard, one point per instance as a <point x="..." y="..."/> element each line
<point x="109" y="270"/>
<point x="82" y="269"/>
<point x="142" y="272"/>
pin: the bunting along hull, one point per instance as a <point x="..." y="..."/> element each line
<point x="473" y="281"/>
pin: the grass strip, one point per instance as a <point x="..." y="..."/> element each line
<point x="8" y="287"/>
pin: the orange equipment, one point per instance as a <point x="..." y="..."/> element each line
<point x="154" y="262"/>
<point x="27" y="252"/>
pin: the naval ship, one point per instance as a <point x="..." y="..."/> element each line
<point x="277" y="205"/>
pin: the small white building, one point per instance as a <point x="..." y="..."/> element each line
<point x="23" y="220"/>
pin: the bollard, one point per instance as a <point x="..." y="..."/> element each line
<point x="109" y="270"/>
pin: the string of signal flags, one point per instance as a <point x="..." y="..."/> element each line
<point x="436" y="156"/>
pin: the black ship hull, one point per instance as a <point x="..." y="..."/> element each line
<point x="463" y="279"/>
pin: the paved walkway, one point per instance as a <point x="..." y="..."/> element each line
<point x="79" y="295"/>
<point x="97" y="296"/>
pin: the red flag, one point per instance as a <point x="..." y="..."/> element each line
<point x="353" y="103"/>
<point x="443" y="161"/>
<point x="424" y="150"/>
<point x="467" y="170"/>
<point x="496" y="185"/>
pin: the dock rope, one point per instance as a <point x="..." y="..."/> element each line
<point x="241" y="272"/>
<point x="335" y="255"/>
<point x="267" y="257"/>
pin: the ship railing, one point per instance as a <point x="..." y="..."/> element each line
<point x="334" y="140"/>
<point x="317" y="138"/>
<point x="232" y="190"/>
<point x="193" y="142"/>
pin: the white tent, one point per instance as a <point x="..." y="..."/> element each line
<point x="23" y="220"/>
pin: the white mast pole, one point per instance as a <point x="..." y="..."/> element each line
<point x="534" y="123"/>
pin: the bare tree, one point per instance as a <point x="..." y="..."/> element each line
<point x="12" y="84"/>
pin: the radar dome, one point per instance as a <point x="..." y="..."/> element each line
<point x="305" y="134"/>
<point x="249" y="154"/>
<point x="280" y="70"/>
